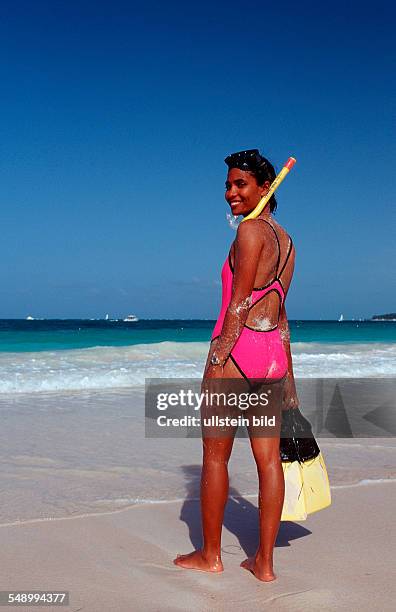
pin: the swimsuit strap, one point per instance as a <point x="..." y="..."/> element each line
<point x="229" y="262"/>
<point x="278" y="273"/>
<point x="277" y="240"/>
<point x="289" y="250"/>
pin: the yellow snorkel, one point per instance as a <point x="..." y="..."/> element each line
<point x="277" y="181"/>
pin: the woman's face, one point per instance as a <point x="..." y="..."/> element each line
<point x="242" y="191"/>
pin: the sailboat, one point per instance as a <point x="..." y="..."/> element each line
<point x="341" y="318"/>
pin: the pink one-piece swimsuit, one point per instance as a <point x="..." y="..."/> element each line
<point x="256" y="353"/>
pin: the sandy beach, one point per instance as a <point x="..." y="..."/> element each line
<point x="339" y="559"/>
<point x="137" y="137"/>
<point x="91" y="506"/>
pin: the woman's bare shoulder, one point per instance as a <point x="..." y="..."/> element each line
<point x="279" y="228"/>
<point x="255" y="229"/>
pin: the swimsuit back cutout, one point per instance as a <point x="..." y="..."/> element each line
<point x="258" y="293"/>
<point x="259" y="353"/>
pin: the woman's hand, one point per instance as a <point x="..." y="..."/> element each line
<point x="211" y="372"/>
<point x="290" y="398"/>
<point x="214" y="371"/>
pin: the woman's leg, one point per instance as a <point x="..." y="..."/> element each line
<point x="216" y="446"/>
<point x="265" y="440"/>
<point x="271" y="497"/>
<point x="214" y="494"/>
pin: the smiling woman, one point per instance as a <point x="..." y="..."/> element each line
<point x="256" y="276"/>
<point x="248" y="186"/>
<point x="250" y="343"/>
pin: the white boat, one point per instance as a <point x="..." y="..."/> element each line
<point x="29" y="318"/>
<point x="107" y="317"/>
<point x="341" y="318"/>
<point x="131" y="319"/>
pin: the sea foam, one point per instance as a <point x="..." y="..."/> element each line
<point x="120" y="367"/>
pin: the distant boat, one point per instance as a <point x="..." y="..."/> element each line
<point x="107" y="317"/>
<point x="131" y="319"/>
<point x="29" y="318"/>
<point x="341" y="318"/>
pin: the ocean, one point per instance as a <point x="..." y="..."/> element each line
<point x="72" y="406"/>
<point x="72" y="355"/>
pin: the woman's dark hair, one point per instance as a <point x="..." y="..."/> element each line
<point x="261" y="168"/>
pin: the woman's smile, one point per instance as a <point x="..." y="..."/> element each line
<point x="242" y="191"/>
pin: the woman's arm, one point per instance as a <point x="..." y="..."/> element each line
<point x="212" y="348"/>
<point x="290" y="399"/>
<point x="248" y="246"/>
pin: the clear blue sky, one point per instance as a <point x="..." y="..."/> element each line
<point x="115" y="120"/>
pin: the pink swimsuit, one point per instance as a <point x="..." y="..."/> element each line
<point x="256" y="353"/>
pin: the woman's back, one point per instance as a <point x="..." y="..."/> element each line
<point x="273" y="276"/>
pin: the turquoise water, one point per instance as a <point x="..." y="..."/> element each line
<point x="29" y="336"/>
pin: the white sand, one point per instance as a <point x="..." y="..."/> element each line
<point x="339" y="559"/>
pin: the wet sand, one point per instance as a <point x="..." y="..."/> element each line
<point x="339" y="559"/>
<point x="91" y="506"/>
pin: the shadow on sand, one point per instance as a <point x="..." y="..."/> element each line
<point x="240" y="518"/>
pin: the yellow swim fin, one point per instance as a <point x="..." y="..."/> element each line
<point x="307" y="488"/>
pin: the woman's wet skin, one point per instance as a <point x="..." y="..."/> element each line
<point x="243" y="194"/>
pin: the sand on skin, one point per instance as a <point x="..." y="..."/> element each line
<point x="339" y="559"/>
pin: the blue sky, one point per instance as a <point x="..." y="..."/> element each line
<point x="115" y="120"/>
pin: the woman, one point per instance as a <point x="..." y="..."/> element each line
<point x="250" y="341"/>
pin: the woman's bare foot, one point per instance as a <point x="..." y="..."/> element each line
<point x="197" y="560"/>
<point x="262" y="571"/>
